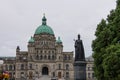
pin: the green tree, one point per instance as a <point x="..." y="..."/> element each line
<point x="111" y="62"/>
<point x="106" y="46"/>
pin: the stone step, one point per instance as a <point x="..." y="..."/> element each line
<point x="44" y="77"/>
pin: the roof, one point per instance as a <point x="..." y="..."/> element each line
<point x="90" y="58"/>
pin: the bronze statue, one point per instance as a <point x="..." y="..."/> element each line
<point x="79" y="50"/>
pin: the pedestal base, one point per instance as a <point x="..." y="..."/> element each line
<point x="80" y="70"/>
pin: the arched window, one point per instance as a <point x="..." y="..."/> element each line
<point x="59" y="66"/>
<point x="22" y="66"/>
<point x="45" y="57"/>
<point x="67" y="67"/>
<point x="37" y="57"/>
<point x="49" y="57"/>
<point x="30" y="66"/>
<point x="41" y="57"/>
<point x="65" y="57"/>
<point x="53" y="57"/>
<point x="10" y="67"/>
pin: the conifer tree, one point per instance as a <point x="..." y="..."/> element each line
<point x="106" y="47"/>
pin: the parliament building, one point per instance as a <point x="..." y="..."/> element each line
<point x="44" y="59"/>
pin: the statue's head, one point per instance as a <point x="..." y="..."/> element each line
<point x="78" y="36"/>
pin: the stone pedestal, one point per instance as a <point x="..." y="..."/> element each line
<point x="80" y="70"/>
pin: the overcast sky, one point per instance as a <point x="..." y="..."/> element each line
<point x="68" y="18"/>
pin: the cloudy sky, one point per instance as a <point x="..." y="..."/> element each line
<point x="20" y="18"/>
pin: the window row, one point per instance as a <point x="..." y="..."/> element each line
<point x="66" y="66"/>
<point x="67" y="57"/>
<point x="24" y="66"/>
<point x="49" y="57"/>
<point x="90" y="75"/>
<point x="22" y="58"/>
<point x="9" y="67"/>
<point x="66" y="75"/>
<point x="30" y="66"/>
<point x="44" y="51"/>
<point x="47" y="43"/>
<point x="90" y="68"/>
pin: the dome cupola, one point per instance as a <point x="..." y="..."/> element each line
<point x="59" y="40"/>
<point x="44" y="28"/>
<point x="31" y="40"/>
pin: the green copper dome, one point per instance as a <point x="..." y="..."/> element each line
<point x="59" y="40"/>
<point x="31" y="40"/>
<point x="44" y="28"/>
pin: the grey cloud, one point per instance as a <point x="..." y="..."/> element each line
<point x="20" y="18"/>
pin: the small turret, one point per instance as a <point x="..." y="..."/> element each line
<point x="59" y="45"/>
<point x="31" y="40"/>
<point x="18" y="49"/>
<point x="59" y="40"/>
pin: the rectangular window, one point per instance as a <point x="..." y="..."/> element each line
<point x="88" y="75"/>
<point x="67" y="74"/>
<point x="88" y="68"/>
<point x="30" y="66"/>
<point x="92" y="68"/>
<point x="92" y="75"/>
<point x="53" y="74"/>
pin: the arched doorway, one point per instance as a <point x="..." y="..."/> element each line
<point x="59" y="75"/>
<point x="44" y="71"/>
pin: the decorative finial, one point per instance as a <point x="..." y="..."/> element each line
<point x="43" y="14"/>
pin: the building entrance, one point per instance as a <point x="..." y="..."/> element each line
<point x="59" y="75"/>
<point x="45" y="71"/>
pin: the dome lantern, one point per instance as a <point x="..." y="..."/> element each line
<point x="44" y="20"/>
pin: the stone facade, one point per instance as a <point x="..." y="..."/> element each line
<point x="44" y="57"/>
<point x="90" y="69"/>
<point x="11" y="61"/>
<point x="9" y="65"/>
